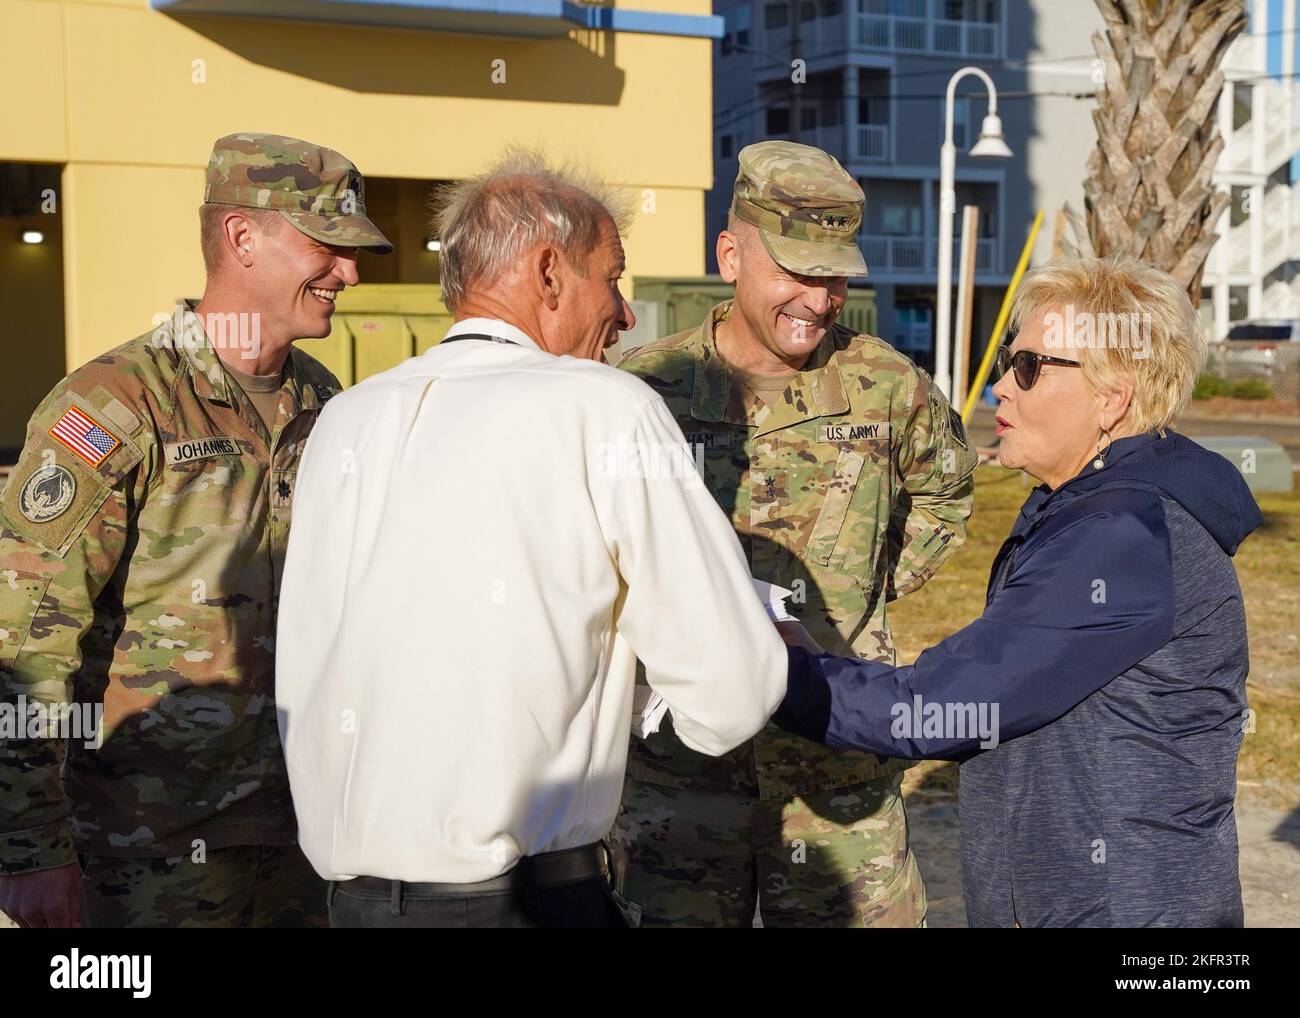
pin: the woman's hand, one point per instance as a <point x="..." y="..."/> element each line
<point x="794" y="635"/>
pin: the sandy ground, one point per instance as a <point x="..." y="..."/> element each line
<point x="1269" y="841"/>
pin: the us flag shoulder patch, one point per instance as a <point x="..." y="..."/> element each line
<point x="87" y="439"/>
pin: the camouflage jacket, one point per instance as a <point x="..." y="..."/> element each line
<point x="144" y="529"/>
<point x="852" y="491"/>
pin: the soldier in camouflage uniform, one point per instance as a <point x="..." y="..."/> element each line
<point x="848" y="479"/>
<point x="142" y="538"/>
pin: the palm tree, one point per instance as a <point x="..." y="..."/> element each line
<point x="1148" y="190"/>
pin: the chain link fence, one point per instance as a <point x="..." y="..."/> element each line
<point x="1268" y="370"/>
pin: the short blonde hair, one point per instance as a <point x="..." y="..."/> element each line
<point x="487" y="223"/>
<point x="1140" y="325"/>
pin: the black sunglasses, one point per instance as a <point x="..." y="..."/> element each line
<point x="1026" y="364"/>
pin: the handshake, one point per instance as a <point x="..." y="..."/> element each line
<point x="794" y="635"/>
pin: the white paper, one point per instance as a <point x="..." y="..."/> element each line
<point x="773" y="598"/>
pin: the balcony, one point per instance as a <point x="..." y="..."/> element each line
<point x="1238" y="241"/>
<point x="1239" y="149"/>
<point x="824" y="36"/>
<point x="929" y="35"/>
<point x="887" y="255"/>
<point x="872" y="143"/>
<point x="1277" y="212"/>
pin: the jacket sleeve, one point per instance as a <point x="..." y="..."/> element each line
<point x="936" y="464"/>
<point x="690" y="611"/>
<point x="1089" y="603"/>
<point x="63" y="527"/>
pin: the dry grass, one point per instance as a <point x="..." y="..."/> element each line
<point x="1268" y="565"/>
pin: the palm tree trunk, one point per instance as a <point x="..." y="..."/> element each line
<point x="1148" y="190"/>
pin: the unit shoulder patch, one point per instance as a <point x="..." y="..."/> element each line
<point x="47" y="494"/>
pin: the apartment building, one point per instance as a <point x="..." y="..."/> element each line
<point x="1251" y="271"/>
<point x="864" y="80"/>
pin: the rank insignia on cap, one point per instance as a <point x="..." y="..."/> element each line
<point x="84" y="437"/>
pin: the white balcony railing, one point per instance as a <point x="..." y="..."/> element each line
<point x="896" y="33"/>
<point x="870" y="141"/>
<point x="895" y="254"/>
<point x="924" y="35"/>
<point x="1238" y="241"/>
<point x="887" y="31"/>
<point x="1277" y="212"/>
<point x="964" y="38"/>
<point x="873" y="143"/>
<point x="1239" y="148"/>
<point x="887" y="255"/>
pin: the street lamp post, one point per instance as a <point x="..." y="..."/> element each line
<point x="991" y="144"/>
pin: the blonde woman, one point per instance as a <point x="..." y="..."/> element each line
<point x="1098" y="704"/>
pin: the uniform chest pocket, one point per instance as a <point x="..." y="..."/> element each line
<point x="835" y="507"/>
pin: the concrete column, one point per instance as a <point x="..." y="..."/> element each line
<point x="851" y="111"/>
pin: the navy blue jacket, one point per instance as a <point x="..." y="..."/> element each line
<point x="1097" y="705"/>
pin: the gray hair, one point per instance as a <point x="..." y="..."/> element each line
<point x="486" y="223"/>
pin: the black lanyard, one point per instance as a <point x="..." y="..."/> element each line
<point x="477" y="335"/>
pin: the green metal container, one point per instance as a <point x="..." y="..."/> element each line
<point x="377" y="326"/>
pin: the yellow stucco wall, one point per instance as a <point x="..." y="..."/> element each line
<point x="112" y="93"/>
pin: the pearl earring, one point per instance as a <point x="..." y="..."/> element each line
<point x="1100" y="461"/>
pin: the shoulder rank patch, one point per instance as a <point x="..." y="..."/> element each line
<point x="47" y="494"/>
<point x="957" y="428"/>
<point x="848" y="432"/>
<point x="88" y="440"/>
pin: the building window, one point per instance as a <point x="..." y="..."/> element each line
<point x="724" y="146"/>
<point x="1238" y="303"/>
<point x="736" y="29"/>
<point x="1242" y="97"/>
<point x="900" y="221"/>
<point x="984" y="11"/>
<point x="914" y="328"/>
<point x="830" y="8"/>
<point x="961" y="135"/>
<point x="778" y="120"/>
<point x="776" y="16"/>
<point x="873" y="109"/>
<point x="808" y="118"/>
<point x="807" y="10"/>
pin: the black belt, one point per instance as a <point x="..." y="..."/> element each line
<point x="536" y="872"/>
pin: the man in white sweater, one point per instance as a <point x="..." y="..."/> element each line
<point x="485" y="540"/>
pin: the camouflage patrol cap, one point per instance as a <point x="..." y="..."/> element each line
<point x="806" y="207"/>
<point x="316" y="189"/>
